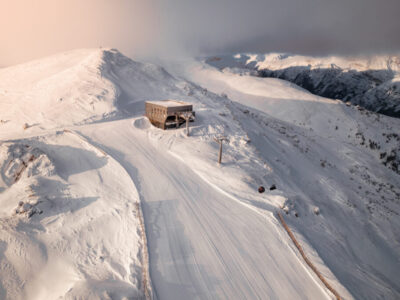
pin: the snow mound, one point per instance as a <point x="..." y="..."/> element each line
<point x="142" y="123"/>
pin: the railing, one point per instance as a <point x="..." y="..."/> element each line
<point x="306" y="259"/>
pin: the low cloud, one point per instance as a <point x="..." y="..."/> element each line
<point x="32" y="29"/>
<point x="298" y="26"/>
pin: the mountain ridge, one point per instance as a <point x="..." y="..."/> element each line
<point x="373" y="82"/>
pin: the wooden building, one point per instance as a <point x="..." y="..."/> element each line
<point x="169" y="113"/>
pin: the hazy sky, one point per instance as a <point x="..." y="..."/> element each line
<point x="35" y="28"/>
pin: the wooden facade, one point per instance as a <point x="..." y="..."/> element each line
<point x="169" y="113"/>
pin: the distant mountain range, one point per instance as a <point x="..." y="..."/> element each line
<point x="372" y="82"/>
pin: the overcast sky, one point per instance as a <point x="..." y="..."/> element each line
<point x="35" y="28"/>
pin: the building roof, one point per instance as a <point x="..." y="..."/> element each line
<point x="169" y="103"/>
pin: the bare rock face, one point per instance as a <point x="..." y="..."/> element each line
<point x="372" y="89"/>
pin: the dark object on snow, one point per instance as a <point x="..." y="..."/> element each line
<point x="273" y="187"/>
<point x="261" y="189"/>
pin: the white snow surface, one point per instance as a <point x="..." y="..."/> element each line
<point x="83" y="206"/>
<point x="168" y="103"/>
<point x="70" y="216"/>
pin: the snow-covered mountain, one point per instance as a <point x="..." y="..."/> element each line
<point x="372" y="82"/>
<point x="76" y="87"/>
<point x="96" y="203"/>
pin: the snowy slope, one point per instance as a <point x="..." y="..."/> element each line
<point x="51" y="217"/>
<point x="68" y="85"/>
<point x="209" y="233"/>
<point x="327" y="156"/>
<point x="202" y="243"/>
<point x="369" y="81"/>
<point x="76" y="87"/>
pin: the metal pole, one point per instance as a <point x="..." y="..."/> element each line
<point x="220" y="152"/>
<point x="187" y="126"/>
<point x="220" y="140"/>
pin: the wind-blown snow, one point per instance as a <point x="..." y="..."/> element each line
<point x="210" y="234"/>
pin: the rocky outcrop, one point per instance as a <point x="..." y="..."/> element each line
<point x="374" y="90"/>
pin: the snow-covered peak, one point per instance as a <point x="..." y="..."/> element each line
<point x="278" y="61"/>
<point x="26" y="74"/>
<point x="76" y="87"/>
